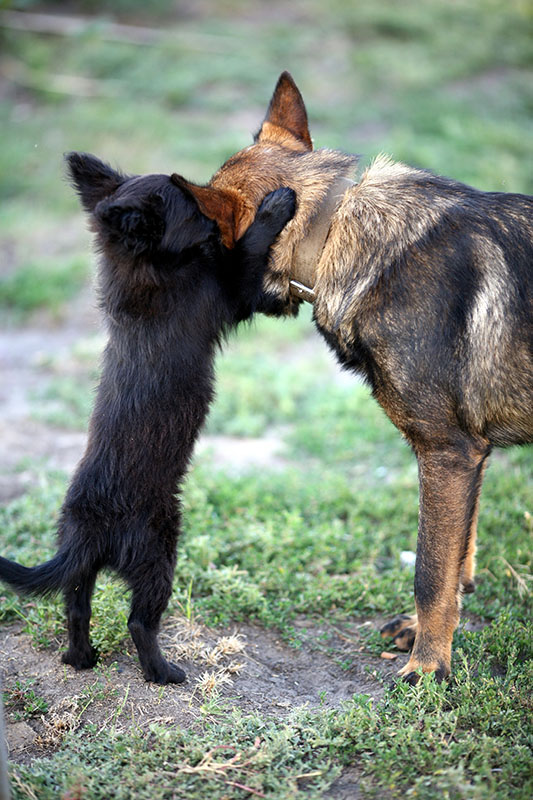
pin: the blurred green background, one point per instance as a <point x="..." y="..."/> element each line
<point x="178" y="86"/>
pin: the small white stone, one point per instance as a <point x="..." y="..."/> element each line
<point x="407" y="558"/>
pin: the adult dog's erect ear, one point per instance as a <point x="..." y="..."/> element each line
<point x="229" y="209"/>
<point x="92" y="179"/>
<point x="138" y="228"/>
<point x="286" y="118"/>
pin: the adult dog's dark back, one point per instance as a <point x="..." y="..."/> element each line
<point x="425" y="287"/>
<point x="169" y="290"/>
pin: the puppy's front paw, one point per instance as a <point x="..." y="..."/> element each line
<point x="277" y="209"/>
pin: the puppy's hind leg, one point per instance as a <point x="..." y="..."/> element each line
<point x="147" y="606"/>
<point x="151" y="584"/>
<point x="80" y="653"/>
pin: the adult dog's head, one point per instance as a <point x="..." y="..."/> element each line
<point x="282" y="155"/>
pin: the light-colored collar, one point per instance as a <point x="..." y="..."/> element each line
<point x="307" y="253"/>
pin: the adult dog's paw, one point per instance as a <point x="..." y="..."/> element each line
<point x="402" y="629"/>
<point x="411" y="671"/>
<point x="468" y="585"/>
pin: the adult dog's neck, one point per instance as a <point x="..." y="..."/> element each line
<point x="308" y="250"/>
<point x="320" y="179"/>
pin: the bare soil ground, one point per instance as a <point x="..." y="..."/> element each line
<point x="245" y="667"/>
<point x="25" y="355"/>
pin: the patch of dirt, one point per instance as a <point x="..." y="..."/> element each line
<point x="39" y="444"/>
<point x="246" y="667"/>
<point x="239" y="454"/>
<point x="346" y="787"/>
<point x="25" y="357"/>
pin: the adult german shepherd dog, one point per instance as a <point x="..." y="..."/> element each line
<point x="425" y="287"/>
<point x="169" y="290"/>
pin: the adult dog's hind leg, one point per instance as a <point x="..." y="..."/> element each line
<point x="80" y="653"/>
<point x="402" y="629"/>
<point x="449" y="486"/>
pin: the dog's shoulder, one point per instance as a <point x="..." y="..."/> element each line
<point x="398" y="204"/>
<point x="401" y="223"/>
<point x="387" y="183"/>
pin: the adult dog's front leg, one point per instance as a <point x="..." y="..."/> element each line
<point x="450" y="481"/>
<point x="469" y="565"/>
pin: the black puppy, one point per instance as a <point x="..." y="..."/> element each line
<point x="169" y="290"/>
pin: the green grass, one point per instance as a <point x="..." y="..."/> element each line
<point x="465" y="740"/>
<point x="23" y="702"/>
<point x="271" y="546"/>
<point x="441" y="84"/>
<point x="47" y="283"/>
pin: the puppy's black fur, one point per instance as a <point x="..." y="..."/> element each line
<point x="170" y="291"/>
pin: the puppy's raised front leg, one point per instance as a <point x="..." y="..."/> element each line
<point x="252" y="250"/>
<point x="450" y="481"/>
<point x="276" y="209"/>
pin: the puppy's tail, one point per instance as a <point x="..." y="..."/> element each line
<point x="46" y="578"/>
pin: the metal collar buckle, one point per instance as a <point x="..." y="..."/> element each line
<point x="302" y="292"/>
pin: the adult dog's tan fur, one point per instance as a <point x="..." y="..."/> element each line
<point x="425" y="287"/>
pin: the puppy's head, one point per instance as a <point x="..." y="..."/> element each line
<point x="138" y="218"/>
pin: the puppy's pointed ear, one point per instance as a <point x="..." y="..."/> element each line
<point x="138" y="228"/>
<point x="226" y="207"/>
<point x="92" y="179"/>
<point x="286" y="118"/>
